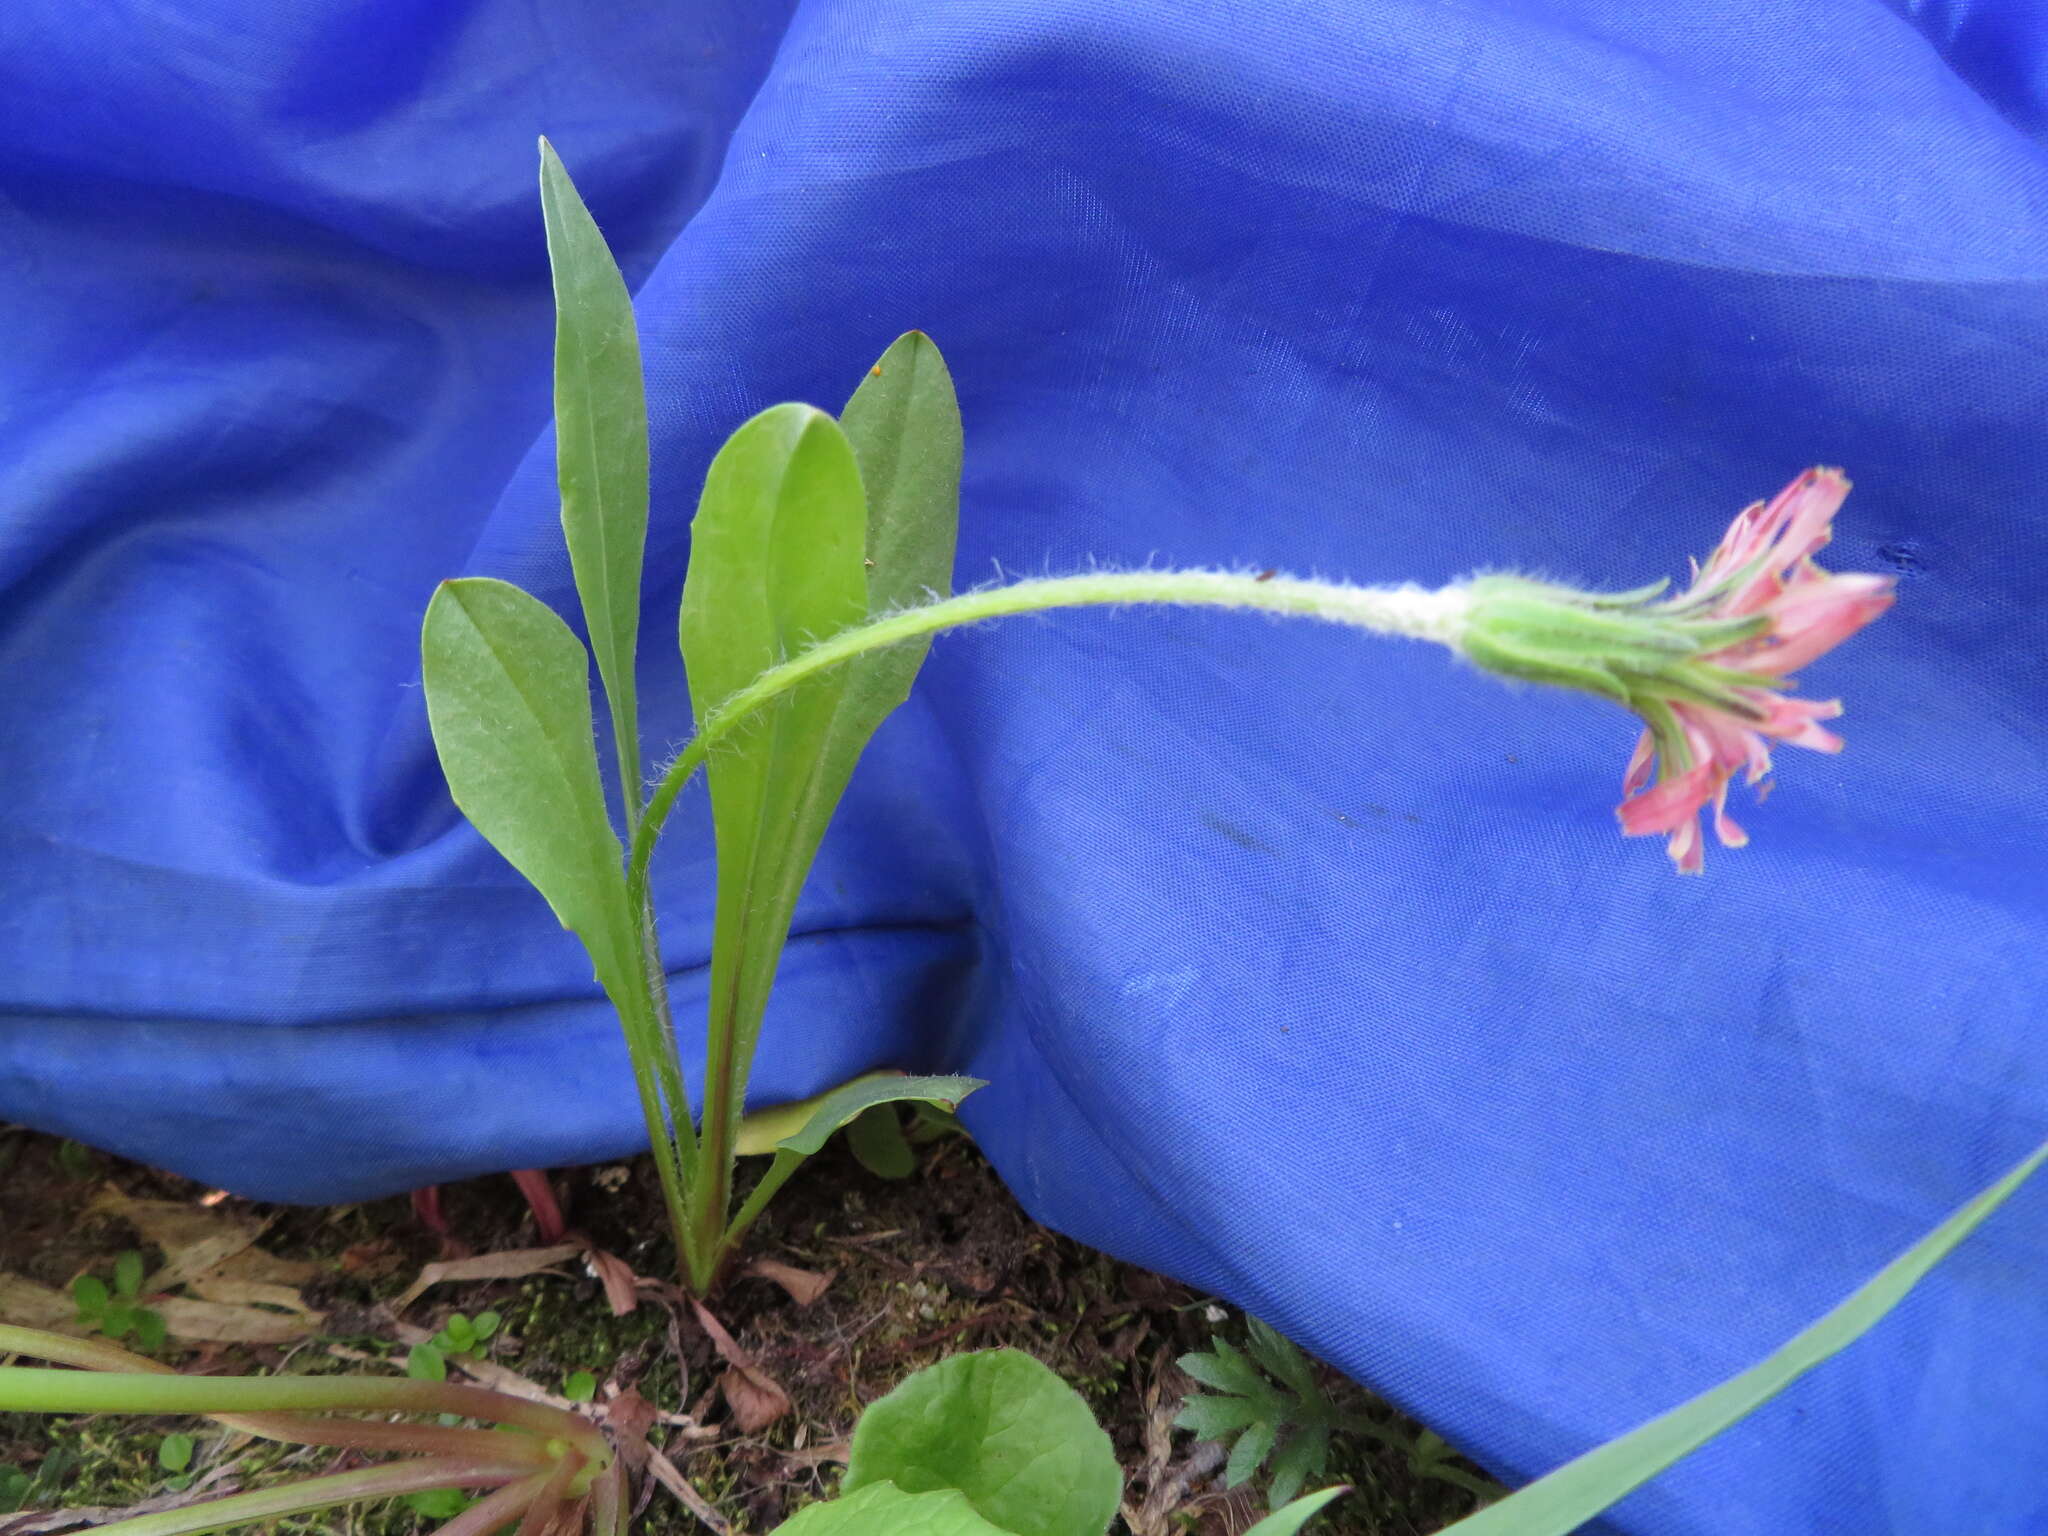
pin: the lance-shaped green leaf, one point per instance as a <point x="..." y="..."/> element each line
<point x="886" y="1510"/>
<point x="842" y="1105"/>
<point x="904" y="424"/>
<point x="1004" y="1430"/>
<point x="1564" y="1500"/>
<point x="1285" y="1522"/>
<point x="775" y="563"/>
<point x="508" y="696"/>
<point x="600" y="448"/>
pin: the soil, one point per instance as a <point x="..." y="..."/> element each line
<point x="920" y="1267"/>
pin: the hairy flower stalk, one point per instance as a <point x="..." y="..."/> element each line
<point x="1707" y="670"/>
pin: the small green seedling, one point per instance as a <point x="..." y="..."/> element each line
<point x="1270" y="1409"/>
<point x="438" y="1503"/>
<point x="174" y="1455"/>
<point x="118" y="1313"/>
<point x="579" y="1387"/>
<point x="1267" y="1402"/>
<point x="460" y="1338"/>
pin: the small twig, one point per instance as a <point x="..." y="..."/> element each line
<point x="666" y="1473"/>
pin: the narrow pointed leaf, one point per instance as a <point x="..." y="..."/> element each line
<point x="508" y="696"/>
<point x="1285" y="1522"/>
<point x="865" y="1093"/>
<point x="1565" y="1499"/>
<point x="600" y="447"/>
<point x="1301" y="1458"/>
<point x="904" y="424"/>
<point x="1252" y="1448"/>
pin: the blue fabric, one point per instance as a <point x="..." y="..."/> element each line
<point x="1306" y="968"/>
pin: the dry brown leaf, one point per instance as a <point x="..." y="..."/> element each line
<point x="259" y="1266"/>
<point x="513" y="1264"/>
<point x="248" y="1293"/>
<point x="756" y="1398"/>
<point x="621" y="1285"/>
<point x="228" y="1324"/>
<point x="372" y="1260"/>
<point x="803" y="1285"/>
<point x="195" y="1240"/>
<point x="629" y="1416"/>
<point x="29" y="1305"/>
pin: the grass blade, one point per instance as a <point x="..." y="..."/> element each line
<point x="1565" y="1499"/>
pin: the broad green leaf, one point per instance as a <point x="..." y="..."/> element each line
<point x="174" y="1453"/>
<point x="865" y="1093"/>
<point x="829" y="1113"/>
<point x="128" y="1274"/>
<point x="775" y="563"/>
<point x="1285" y="1522"/>
<point x="1005" y="1431"/>
<point x="600" y="447"/>
<point x="423" y="1362"/>
<point x="875" y="1137"/>
<point x="90" y="1294"/>
<point x="886" y="1510"/>
<point x="763" y="1130"/>
<point x="118" y="1319"/>
<point x="787" y="548"/>
<point x="508" y="695"/>
<point x="1565" y="1499"/>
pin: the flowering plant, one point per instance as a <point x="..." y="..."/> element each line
<point x="1707" y="670"/>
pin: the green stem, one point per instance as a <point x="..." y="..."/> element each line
<point x="27" y="1389"/>
<point x="1403" y="611"/>
<point x="650" y="1046"/>
<point x="786" y="1163"/>
<point x="317" y="1493"/>
<point x="290" y="1428"/>
<point x="1406" y="611"/>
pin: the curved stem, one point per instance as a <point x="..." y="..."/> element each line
<point x="27" y="1389"/>
<point x="1408" y="611"/>
<point x="318" y="1493"/>
<point x="289" y="1428"/>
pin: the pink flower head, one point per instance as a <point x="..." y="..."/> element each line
<point x="1767" y="609"/>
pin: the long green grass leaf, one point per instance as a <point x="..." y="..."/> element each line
<point x="1565" y="1499"/>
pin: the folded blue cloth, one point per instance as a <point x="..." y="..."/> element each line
<point x="1306" y="968"/>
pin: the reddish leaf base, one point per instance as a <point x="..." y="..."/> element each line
<point x="532" y="1182"/>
